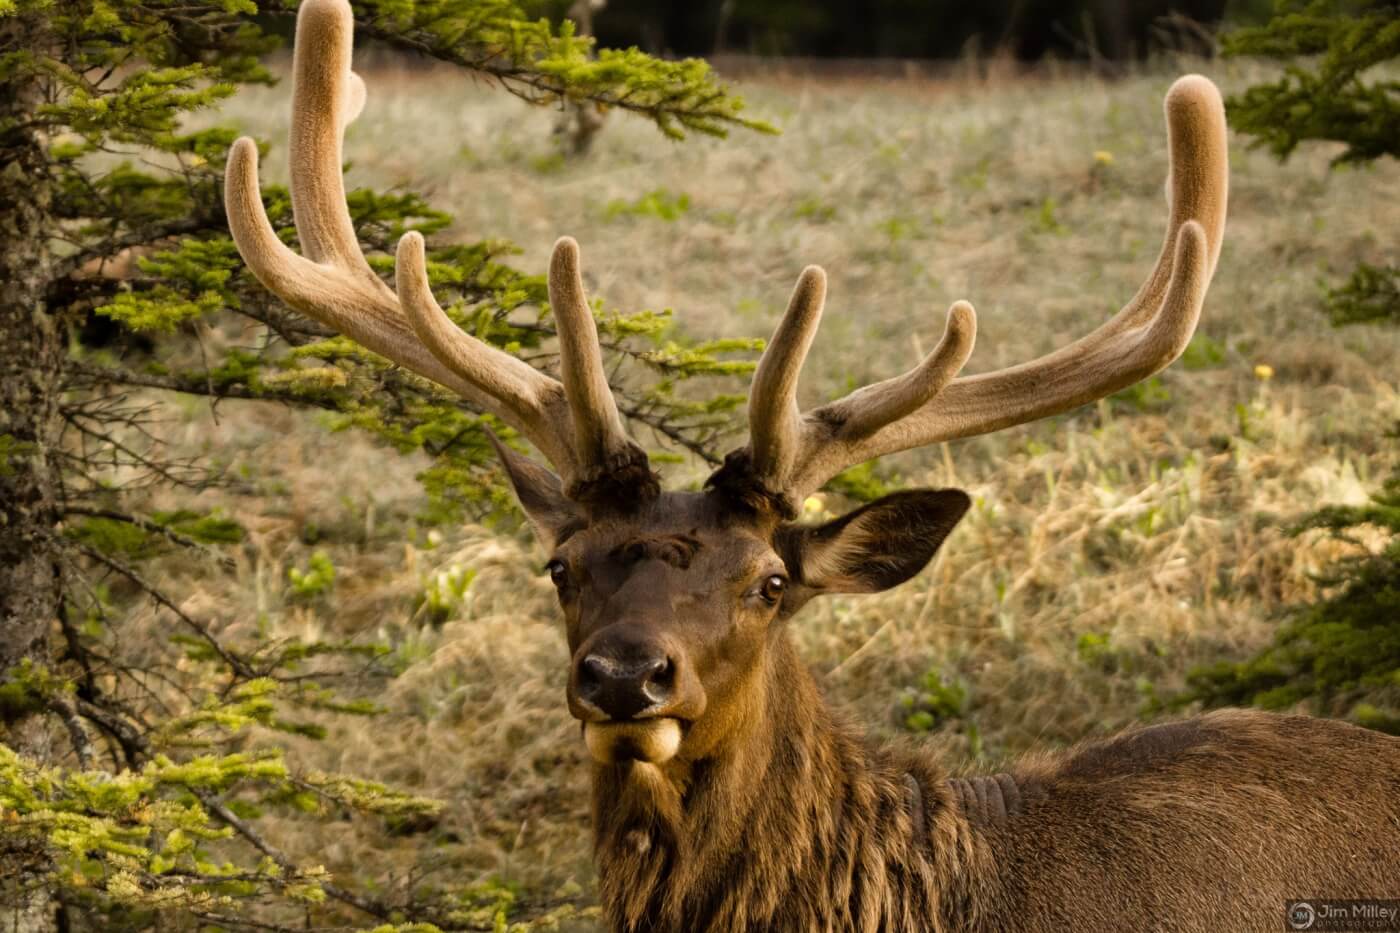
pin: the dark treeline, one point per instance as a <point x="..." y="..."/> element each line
<point x="1115" y="30"/>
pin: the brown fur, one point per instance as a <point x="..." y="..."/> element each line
<point x="778" y="815"/>
<point x="801" y="824"/>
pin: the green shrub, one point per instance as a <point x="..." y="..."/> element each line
<point x="1339" y="656"/>
<point x="1331" y="48"/>
<point x="316" y="580"/>
<point x="660" y="204"/>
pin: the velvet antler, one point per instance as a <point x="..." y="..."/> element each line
<point x="791" y="453"/>
<point x="574" y="424"/>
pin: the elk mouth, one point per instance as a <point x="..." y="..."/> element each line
<point x="654" y="740"/>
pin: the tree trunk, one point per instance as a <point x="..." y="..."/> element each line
<point x="31" y="358"/>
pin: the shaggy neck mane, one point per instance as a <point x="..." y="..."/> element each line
<point x="798" y="824"/>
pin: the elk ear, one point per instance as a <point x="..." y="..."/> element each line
<point x="552" y="515"/>
<point x="876" y="547"/>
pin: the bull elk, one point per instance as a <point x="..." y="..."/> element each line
<point x="727" y="795"/>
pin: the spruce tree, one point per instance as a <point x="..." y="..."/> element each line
<point x="1339" y="656"/>
<point x="1336" y="89"/>
<point x="127" y="806"/>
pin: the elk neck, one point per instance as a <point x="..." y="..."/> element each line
<point x="795" y="815"/>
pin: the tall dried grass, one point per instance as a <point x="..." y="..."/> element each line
<point x="1109" y="550"/>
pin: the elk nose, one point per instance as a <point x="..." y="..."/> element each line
<point x="622" y="689"/>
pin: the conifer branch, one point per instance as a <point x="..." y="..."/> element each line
<point x="234" y="662"/>
<point x="153" y="527"/>
<point x="63" y="705"/>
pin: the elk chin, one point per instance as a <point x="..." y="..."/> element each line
<point x="655" y="741"/>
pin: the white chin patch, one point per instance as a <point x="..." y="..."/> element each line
<point x="652" y="740"/>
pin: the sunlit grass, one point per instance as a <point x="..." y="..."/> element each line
<point x="1108" y="552"/>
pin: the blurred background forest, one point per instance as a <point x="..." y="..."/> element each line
<point x="1027" y="30"/>
<point x="299" y="668"/>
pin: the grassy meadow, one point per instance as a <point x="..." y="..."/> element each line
<point x="1109" y="551"/>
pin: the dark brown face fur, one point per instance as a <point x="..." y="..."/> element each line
<point x="682" y="582"/>
<point x="672" y="602"/>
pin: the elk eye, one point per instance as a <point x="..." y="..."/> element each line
<point x="558" y="573"/>
<point x="772" y="589"/>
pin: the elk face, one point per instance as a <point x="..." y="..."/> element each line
<point x="671" y="604"/>
<point x="667" y="613"/>
<point x="672" y="599"/>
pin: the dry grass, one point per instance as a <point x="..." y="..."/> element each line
<point x="1140" y="523"/>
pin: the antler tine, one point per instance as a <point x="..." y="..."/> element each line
<point x="927" y="405"/>
<point x="866" y="410"/>
<point x="365" y="314"/>
<point x="599" y="437"/>
<point x="1197" y="186"/>
<point x="524" y="396"/>
<point x="775" y="421"/>
<point x="321" y="102"/>
<point x="334" y="284"/>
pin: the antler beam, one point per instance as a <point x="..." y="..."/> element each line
<point x="792" y="454"/>
<point x="575" y="424"/>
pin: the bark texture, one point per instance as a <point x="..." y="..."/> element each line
<point x="31" y="355"/>
<point x="31" y="358"/>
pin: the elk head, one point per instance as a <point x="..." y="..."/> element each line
<point x="674" y="600"/>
